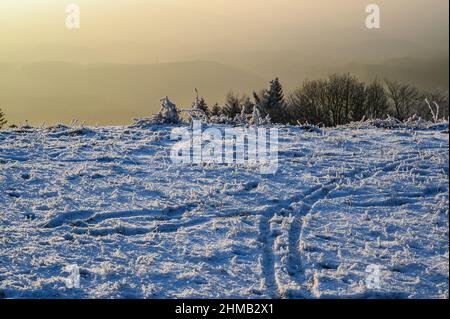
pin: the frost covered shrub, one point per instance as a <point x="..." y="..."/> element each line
<point x="414" y="122"/>
<point x="168" y="114"/>
<point x="257" y="119"/>
<point x="242" y="118"/>
<point x="220" y="119"/>
<point x="201" y="105"/>
<point x="81" y="131"/>
<point x="199" y="110"/>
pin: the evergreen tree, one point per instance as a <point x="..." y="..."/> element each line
<point x="216" y="110"/>
<point x="232" y="106"/>
<point x="3" y="120"/>
<point x="272" y="102"/>
<point x="202" y="105"/>
<point x="247" y="105"/>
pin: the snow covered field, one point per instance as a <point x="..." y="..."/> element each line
<point x="109" y="200"/>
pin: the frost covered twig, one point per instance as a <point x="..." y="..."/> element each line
<point x="435" y="114"/>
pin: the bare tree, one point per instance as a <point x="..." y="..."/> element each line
<point x="404" y="98"/>
<point x="338" y="100"/>
<point x="307" y="104"/>
<point x="345" y="97"/>
<point x="342" y="98"/>
<point x="376" y="104"/>
<point x="336" y="94"/>
<point x="357" y="96"/>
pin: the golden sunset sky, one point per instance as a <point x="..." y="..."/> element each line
<point x="232" y="33"/>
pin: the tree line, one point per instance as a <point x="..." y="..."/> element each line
<point x="337" y="100"/>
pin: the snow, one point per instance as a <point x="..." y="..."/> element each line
<point x="109" y="200"/>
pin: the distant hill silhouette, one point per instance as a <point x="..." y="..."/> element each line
<point x="112" y="94"/>
<point x="115" y="93"/>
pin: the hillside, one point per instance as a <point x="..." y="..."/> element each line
<point x="110" y="201"/>
<point x="111" y="93"/>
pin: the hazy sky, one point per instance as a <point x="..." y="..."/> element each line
<point x="219" y="45"/>
<point x="136" y="31"/>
